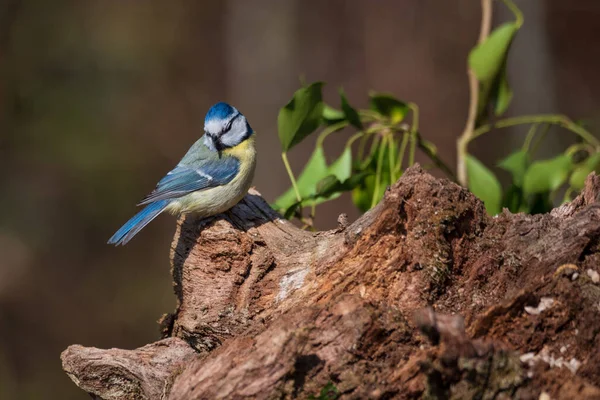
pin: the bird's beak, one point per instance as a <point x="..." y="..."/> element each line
<point x="216" y="142"/>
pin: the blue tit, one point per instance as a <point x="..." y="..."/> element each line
<point x="212" y="177"/>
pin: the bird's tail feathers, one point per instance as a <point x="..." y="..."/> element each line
<point x="138" y="222"/>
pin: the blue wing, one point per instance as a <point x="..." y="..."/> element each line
<point x="185" y="179"/>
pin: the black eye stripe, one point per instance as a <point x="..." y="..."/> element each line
<point x="228" y="126"/>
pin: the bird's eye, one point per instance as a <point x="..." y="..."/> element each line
<point x="228" y="126"/>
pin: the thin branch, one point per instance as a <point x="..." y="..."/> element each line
<point x="465" y="138"/>
<point x="486" y="20"/>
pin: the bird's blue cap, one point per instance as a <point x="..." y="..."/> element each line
<point x="220" y="110"/>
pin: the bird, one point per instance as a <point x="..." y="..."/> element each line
<point x="213" y="176"/>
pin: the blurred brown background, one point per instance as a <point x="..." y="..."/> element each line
<point x="98" y="99"/>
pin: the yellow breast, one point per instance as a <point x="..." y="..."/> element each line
<point x="243" y="151"/>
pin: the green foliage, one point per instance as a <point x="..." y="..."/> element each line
<point x="366" y="174"/>
<point x="516" y="163"/>
<point x="581" y="171"/>
<point x="547" y="175"/>
<point x="484" y="184"/>
<point x="488" y="62"/>
<point x="379" y="142"/>
<point x="314" y="170"/>
<point x="301" y="116"/>
<point x="535" y="184"/>
<point x="371" y="189"/>
<point x="311" y="183"/>
<point x="331" y="115"/>
<point x="350" y="113"/>
<point x="388" y="106"/>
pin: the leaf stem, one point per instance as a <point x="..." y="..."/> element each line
<point x="365" y="138"/>
<point x="367" y="159"/>
<point x="291" y="175"/>
<point x="361" y="146"/>
<point x="553" y="119"/>
<point x="354" y="137"/>
<point x="539" y="139"/>
<point x="436" y="160"/>
<point x="329" y="130"/>
<point x="403" y="144"/>
<point x="571" y="150"/>
<point x="368" y="114"/>
<point x="515" y="10"/>
<point x="378" y="172"/>
<point x="413" y="133"/>
<point x="529" y="137"/>
<point x="391" y="154"/>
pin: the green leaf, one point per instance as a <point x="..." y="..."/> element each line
<point x="342" y="167"/>
<point x="331" y="115"/>
<point x="291" y="210"/>
<point x="488" y="62"/>
<point x="504" y="96"/>
<point x="484" y="184"/>
<point x="340" y="170"/>
<point x="592" y="163"/>
<point x="547" y="175"/>
<point x="486" y="59"/>
<point x="429" y="146"/>
<point x="364" y="192"/>
<point x="513" y="198"/>
<point x="516" y="163"/>
<point x="314" y="170"/>
<point x="388" y="106"/>
<point x="330" y="187"/>
<point x="318" y="183"/>
<point x="301" y="116"/>
<point x="350" y="113"/>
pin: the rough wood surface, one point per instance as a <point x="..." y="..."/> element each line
<point x="423" y="296"/>
<point x="144" y="373"/>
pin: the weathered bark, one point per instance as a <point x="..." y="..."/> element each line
<point x="147" y="372"/>
<point x="375" y="309"/>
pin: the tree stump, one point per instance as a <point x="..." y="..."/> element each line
<point x="423" y="296"/>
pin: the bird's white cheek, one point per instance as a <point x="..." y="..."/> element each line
<point x="236" y="134"/>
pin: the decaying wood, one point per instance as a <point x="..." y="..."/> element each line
<point x="147" y="372"/>
<point x="425" y="295"/>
